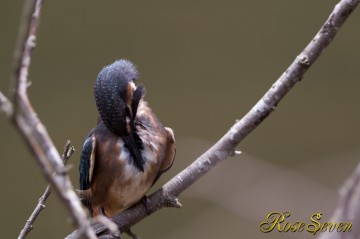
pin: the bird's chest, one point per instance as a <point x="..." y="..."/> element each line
<point x="126" y="183"/>
<point x="134" y="184"/>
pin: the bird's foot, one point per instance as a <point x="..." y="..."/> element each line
<point x="149" y="208"/>
<point x="110" y="229"/>
<point x="102" y="212"/>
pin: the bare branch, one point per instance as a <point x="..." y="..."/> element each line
<point x="166" y="196"/>
<point x="68" y="151"/>
<point x="29" y="125"/>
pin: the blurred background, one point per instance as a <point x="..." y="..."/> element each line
<point x="204" y="65"/>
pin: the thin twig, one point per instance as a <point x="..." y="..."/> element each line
<point x="5" y="105"/>
<point x="166" y="196"/>
<point x="68" y="151"/>
<point x="26" y="42"/>
<point x="29" y="125"/>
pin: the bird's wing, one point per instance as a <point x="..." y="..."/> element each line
<point x="87" y="161"/>
<point x="169" y="154"/>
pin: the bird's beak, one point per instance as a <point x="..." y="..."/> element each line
<point x="132" y="140"/>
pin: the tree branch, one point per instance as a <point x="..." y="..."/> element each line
<point x="166" y="196"/>
<point x="68" y="151"/>
<point x="29" y="125"/>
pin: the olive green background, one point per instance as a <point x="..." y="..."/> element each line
<point x="204" y="65"/>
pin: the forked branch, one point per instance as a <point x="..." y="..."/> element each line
<point x="29" y="125"/>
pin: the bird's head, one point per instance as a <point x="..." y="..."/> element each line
<point x="117" y="97"/>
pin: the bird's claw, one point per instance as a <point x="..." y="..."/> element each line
<point x="149" y="208"/>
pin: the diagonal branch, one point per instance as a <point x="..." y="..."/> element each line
<point x="29" y="125"/>
<point x="166" y="196"/>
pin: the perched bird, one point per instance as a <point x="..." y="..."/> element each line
<point x="129" y="148"/>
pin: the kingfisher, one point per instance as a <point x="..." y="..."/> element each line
<point x="128" y="150"/>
